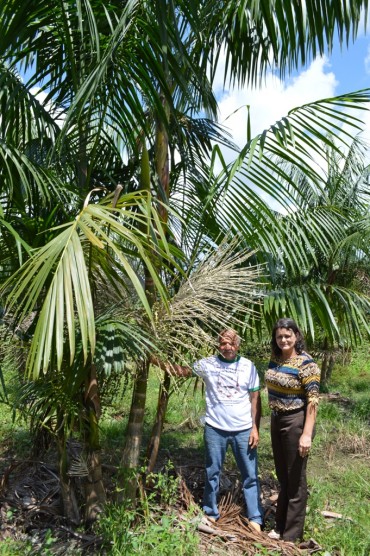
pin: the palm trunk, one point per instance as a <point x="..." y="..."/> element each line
<point x="324" y="366"/>
<point x="163" y="172"/>
<point x="68" y="495"/>
<point x="134" y="432"/>
<point x="155" y="438"/>
<point x="327" y="366"/>
<point x="162" y="164"/>
<point x="131" y="453"/>
<point x="95" y="496"/>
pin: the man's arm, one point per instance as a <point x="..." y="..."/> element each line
<point x="256" y="418"/>
<point x="171" y="368"/>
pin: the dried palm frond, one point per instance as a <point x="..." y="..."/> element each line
<point x="219" y="293"/>
<point x="232" y="531"/>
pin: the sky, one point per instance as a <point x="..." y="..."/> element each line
<point x="338" y="73"/>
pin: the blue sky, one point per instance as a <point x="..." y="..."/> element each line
<point x="352" y="66"/>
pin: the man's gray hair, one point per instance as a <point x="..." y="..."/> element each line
<point x="232" y="332"/>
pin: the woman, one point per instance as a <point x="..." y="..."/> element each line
<point x="292" y="380"/>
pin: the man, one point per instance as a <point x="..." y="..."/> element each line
<point x="233" y="410"/>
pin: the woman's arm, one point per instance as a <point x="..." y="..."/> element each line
<point x="310" y="378"/>
<point x="305" y="440"/>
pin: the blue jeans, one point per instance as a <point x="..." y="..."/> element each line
<point x="216" y="444"/>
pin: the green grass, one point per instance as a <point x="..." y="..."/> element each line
<point x="127" y="535"/>
<point x="343" y="489"/>
<point x="351" y="375"/>
<point x="9" y="547"/>
<point x="339" y="467"/>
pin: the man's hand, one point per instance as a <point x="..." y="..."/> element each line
<point x="254" y="437"/>
<point x="171" y="368"/>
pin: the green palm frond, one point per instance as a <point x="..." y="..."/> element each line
<point x="3" y="390"/>
<point x="267" y="168"/>
<point x="58" y="276"/>
<point x="278" y="34"/>
<point x="337" y="313"/>
<point x="120" y="339"/>
<point x="298" y="140"/>
<point x="41" y="401"/>
<point x="20" y="172"/>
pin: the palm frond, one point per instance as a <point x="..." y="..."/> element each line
<point x="278" y="34"/>
<point x="61" y="270"/>
<point x="120" y="339"/>
<point x="218" y="293"/>
<point x="267" y="168"/>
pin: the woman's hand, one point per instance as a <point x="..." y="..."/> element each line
<point x="304" y="445"/>
<point x="305" y="440"/>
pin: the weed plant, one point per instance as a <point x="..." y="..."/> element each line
<point x="153" y="526"/>
<point x="126" y="532"/>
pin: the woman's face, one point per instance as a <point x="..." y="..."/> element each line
<point x="286" y="340"/>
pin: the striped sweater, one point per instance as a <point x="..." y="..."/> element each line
<point x="291" y="384"/>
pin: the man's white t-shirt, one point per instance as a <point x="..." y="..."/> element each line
<point x="228" y="384"/>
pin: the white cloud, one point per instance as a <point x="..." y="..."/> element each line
<point x="272" y="100"/>
<point x="367" y="61"/>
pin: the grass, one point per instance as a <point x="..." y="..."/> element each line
<point x="338" y="470"/>
<point x="343" y="490"/>
<point x="339" y="467"/>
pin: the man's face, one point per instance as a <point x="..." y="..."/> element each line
<point x="228" y="345"/>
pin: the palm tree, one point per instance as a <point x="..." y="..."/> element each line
<point x="91" y="253"/>
<point x="325" y="293"/>
<point x="119" y="82"/>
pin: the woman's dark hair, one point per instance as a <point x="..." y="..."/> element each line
<point x="289" y="324"/>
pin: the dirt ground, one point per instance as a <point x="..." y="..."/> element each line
<point x="30" y="507"/>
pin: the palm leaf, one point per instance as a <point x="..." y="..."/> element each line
<point x="343" y="321"/>
<point x="220" y="291"/>
<point x="278" y="34"/>
<point x="263" y="172"/>
<point x="61" y="269"/>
